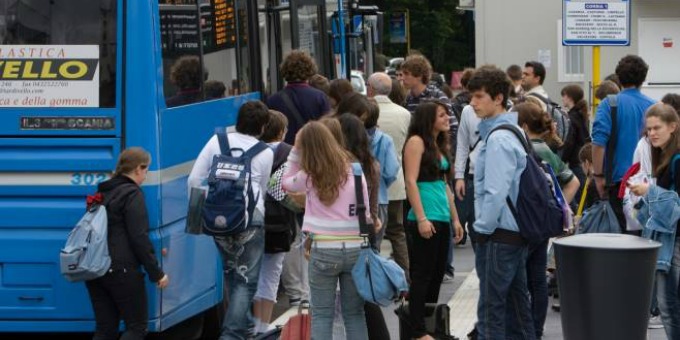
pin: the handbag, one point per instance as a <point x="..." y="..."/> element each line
<point x="377" y="279"/>
<point x="298" y="327"/>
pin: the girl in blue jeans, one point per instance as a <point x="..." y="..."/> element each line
<point x="319" y="166"/>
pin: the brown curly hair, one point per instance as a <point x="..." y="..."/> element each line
<point x="186" y="72"/>
<point x="418" y="66"/>
<point x="298" y="66"/>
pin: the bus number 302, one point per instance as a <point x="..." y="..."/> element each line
<point x="79" y="178"/>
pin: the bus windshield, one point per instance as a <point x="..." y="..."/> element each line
<point x="51" y="49"/>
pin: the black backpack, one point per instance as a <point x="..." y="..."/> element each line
<point x="538" y="211"/>
<point x="279" y="221"/>
<point x="558" y="115"/>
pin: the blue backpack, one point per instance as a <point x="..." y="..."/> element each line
<point x="230" y="204"/>
<point x="539" y="212"/>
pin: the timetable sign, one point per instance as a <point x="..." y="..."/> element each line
<point x="596" y="23"/>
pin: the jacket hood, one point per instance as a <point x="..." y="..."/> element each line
<point x="114" y="183"/>
<point x="486" y="125"/>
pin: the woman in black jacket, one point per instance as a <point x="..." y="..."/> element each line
<point x="579" y="135"/>
<point x="120" y="293"/>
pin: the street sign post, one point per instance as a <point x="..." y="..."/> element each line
<point x="596" y="23"/>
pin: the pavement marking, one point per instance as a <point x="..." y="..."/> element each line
<point x="463" y="306"/>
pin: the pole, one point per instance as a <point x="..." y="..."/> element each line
<point x="408" y="32"/>
<point x="343" y="42"/>
<point x="596" y="75"/>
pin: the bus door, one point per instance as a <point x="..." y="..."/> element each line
<point x="60" y="134"/>
<point x="309" y="29"/>
<point x="210" y="66"/>
<point x="361" y="38"/>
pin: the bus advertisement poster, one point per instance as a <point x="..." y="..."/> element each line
<point x="49" y="76"/>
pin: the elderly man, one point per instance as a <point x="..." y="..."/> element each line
<point x="394" y="121"/>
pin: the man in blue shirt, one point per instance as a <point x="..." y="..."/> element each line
<point x="630" y="119"/>
<point x="503" y="310"/>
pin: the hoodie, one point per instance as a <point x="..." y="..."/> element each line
<point x="493" y="183"/>
<point x="128" y="227"/>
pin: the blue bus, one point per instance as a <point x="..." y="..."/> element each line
<point x="79" y="81"/>
<point x="82" y="79"/>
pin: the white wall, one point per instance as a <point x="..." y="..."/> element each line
<point x="512" y="32"/>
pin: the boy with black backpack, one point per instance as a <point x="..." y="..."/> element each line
<point x="236" y="168"/>
<point x="500" y="245"/>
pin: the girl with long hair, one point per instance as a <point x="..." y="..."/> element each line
<point x="663" y="131"/>
<point x="427" y="170"/>
<point x="319" y="166"/>
<point x="356" y="142"/>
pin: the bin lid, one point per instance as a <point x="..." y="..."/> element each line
<point x="607" y="241"/>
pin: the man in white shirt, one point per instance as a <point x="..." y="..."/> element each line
<point x="533" y="77"/>
<point x="241" y="253"/>
<point x="394" y="121"/>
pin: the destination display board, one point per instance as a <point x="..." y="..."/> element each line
<point x="180" y="23"/>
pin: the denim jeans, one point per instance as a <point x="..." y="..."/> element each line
<point x="667" y="285"/>
<point x="503" y="310"/>
<point x="466" y="209"/>
<point x="327" y="267"/>
<point x="241" y="259"/>
<point x="537" y="283"/>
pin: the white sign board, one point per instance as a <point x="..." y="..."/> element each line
<point x="596" y="23"/>
<point x="49" y="76"/>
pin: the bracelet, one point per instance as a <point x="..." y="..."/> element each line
<point x="422" y="220"/>
<point x="598" y="175"/>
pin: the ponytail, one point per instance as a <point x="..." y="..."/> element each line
<point x="538" y="122"/>
<point x="130" y="159"/>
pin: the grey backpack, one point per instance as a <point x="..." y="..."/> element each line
<point x="86" y="253"/>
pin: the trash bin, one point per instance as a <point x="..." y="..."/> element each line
<point x="605" y="283"/>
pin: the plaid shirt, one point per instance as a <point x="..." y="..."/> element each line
<point x="432" y="92"/>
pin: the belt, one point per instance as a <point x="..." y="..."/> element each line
<point x="337" y="244"/>
<point x="502" y="236"/>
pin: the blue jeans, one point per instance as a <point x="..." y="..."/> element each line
<point x="241" y="259"/>
<point x="503" y="310"/>
<point x="667" y="287"/>
<point x="327" y="267"/>
<point x="537" y="283"/>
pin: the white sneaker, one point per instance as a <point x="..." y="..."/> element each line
<point x="655" y="322"/>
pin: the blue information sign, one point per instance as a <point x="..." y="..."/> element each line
<point x="596" y="23"/>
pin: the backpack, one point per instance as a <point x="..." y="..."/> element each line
<point x="279" y="221"/>
<point x="86" y="253"/>
<point x="230" y="203"/>
<point x="458" y="104"/>
<point x="539" y="213"/>
<point x="558" y="115"/>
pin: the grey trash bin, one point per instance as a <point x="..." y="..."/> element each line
<point x="605" y="284"/>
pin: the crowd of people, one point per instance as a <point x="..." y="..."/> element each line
<point x="434" y="175"/>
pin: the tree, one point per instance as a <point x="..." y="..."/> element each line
<point x="438" y="30"/>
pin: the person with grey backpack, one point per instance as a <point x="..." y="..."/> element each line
<point x="120" y="293"/>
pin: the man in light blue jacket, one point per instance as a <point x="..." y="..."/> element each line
<point x="503" y="310"/>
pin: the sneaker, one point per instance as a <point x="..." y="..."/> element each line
<point x="556" y="305"/>
<point x="655" y="322"/>
<point x="448" y="277"/>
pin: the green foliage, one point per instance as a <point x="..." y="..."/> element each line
<point x="439" y="31"/>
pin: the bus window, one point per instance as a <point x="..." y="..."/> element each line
<point x="198" y="40"/>
<point x="42" y="28"/>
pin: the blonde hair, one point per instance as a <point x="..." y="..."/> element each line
<point x="130" y="159"/>
<point x="334" y="126"/>
<point x="328" y="163"/>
